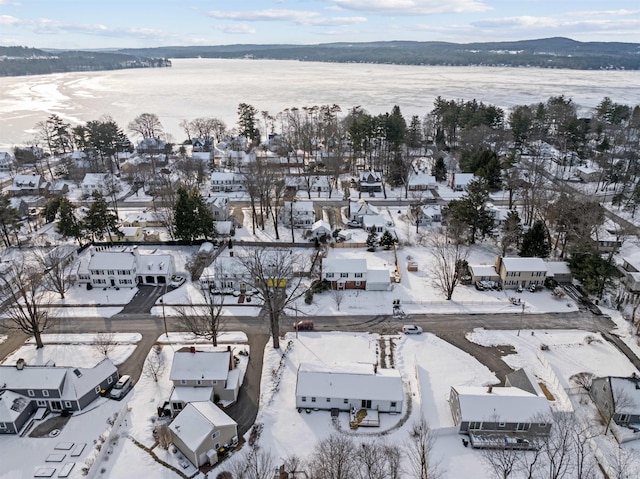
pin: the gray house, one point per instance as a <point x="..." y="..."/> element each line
<point x="619" y="399"/>
<point x="348" y="386"/>
<point x="27" y="388"/>
<point x="502" y="417"/>
<point x="201" y="430"/>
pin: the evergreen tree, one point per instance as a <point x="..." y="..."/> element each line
<point x="101" y="221"/>
<point x="414" y="133"/>
<point x="192" y="217"/>
<point x="248" y="123"/>
<point x="536" y="242"/>
<point x="511" y="231"/>
<point x="387" y="240"/>
<point x="372" y="239"/>
<point x="439" y="170"/>
<point x="51" y="209"/>
<point x="68" y="224"/>
<point x="594" y="272"/>
<point x="9" y="219"/>
<point x="470" y="212"/>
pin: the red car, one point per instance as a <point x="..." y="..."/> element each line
<point x="303" y="325"/>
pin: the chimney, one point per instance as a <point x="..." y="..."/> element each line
<point x="489" y="389"/>
<point x="20" y="364"/>
<point x="192" y="350"/>
<point x="230" y="358"/>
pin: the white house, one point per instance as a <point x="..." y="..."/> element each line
<point x="459" y="181"/>
<point x="370" y="181"/>
<point x="421" y="182"/>
<point x="349" y="386"/>
<point x="200" y="430"/>
<point x="219" y="206"/>
<point x="359" y="209"/>
<point x="321" y="228"/>
<point x="498" y="214"/>
<point x="222" y="181"/>
<point x="95" y="183"/>
<point x="125" y="267"/>
<point x="301" y="213"/>
<point x="28" y="185"/>
<point x="427" y="214"/>
<point x="226" y="273"/>
<point x="376" y="223"/>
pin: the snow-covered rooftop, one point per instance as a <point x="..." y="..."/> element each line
<point x="504" y="404"/>
<point x="196" y="422"/>
<point x="344" y="265"/>
<point x="207" y="365"/>
<point x="524" y="264"/>
<point x="347" y="381"/>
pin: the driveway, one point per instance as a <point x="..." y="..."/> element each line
<point x="144" y="299"/>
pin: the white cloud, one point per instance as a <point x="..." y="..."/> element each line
<point x="11" y="4"/>
<point x="240" y="28"/>
<point x="412" y="7"/>
<point x="298" y="17"/>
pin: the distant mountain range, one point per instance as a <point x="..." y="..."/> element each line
<point x="546" y="53"/>
<point x="16" y="61"/>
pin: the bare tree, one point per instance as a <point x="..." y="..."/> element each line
<point x="502" y="461"/>
<point x="253" y="464"/>
<point x="583" y="380"/>
<point x="370" y="463"/>
<point x="338" y="296"/>
<point x="333" y="458"/>
<point x="203" y="320"/>
<point x="26" y="304"/>
<point x="164" y="436"/>
<point x="147" y="125"/>
<point x="104" y="342"/>
<point x="393" y="455"/>
<point x="446" y="268"/>
<point x="624" y="464"/>
<point x="420" y="451"/>
<point x="57" y="265"/>
<point x="154" y="365"/>
<point x="276" y="274"/>
<point x="620" y="401"/>
<point x="557" y="448"/>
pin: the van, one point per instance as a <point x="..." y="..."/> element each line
<point x="121" y="388"/>
<point x="303" y="325"/>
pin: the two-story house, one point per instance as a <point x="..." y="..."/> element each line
<point x="359" y="209"/>
<point x="96" y="183"/>
<point x="299" y="214"/>
<point x="28" y="185"/>
<point x="219" y="206"/>
<point x="203" y="376"/>
<point x="227" y="182"/>
<point x="345" y="273"/>
<point x="125" y="267"/>
<point x="370" y="181"/>
<point x="618" y="399"/>
<point x="225" y="274"/>
<point x="521" y="272"/>
<point x="24" y="389"/>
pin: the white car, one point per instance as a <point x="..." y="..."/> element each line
<point x="177" y="281"/>
<point x="411" y="329"/>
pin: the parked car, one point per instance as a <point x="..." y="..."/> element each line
<point x="354" y="224"/>
<point x="411" y="329"/>
<point x="121" y="388"/>
<point x="177" y="281"/>
<point x="303" y="325"/>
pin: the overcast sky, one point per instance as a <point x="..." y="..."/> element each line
<point x="81" y="24"/>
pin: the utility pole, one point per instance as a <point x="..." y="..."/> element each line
<point x="521" y="318"/>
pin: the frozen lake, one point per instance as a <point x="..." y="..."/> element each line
<point x="213" y="87"/>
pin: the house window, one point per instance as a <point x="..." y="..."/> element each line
<point x="97" y="389"/>
<point x="109" y="379"/>
<point x="358" y="283"/>
<point x="393" y="404"/>
<point x="215" y="434"/>
<point x="344" y="275"/>
<point x="304" y="399"/>
<point x="542" y="424"/>
<point x="313" y="399"/>
<point x="45" y="393"/>
<point x="329" y="275"/>
<point x="110" y="271"/>
<point x="502" y="424"/>
<point x="199" y="382"/>
<point x="177" y="406"/>
<point x="3" y="425"/>
<point x="623" y="418"/>
<point x="31" y="393"/>
<point x="183" y="381"/>
<point x="41" y="403"/>
<point x="523" y="426"/>
<point x="358" y="275"/>
<point x="346" y="401"/>
<point x="328" y="399"/>
<point x="216" y="446"/>
<point x="67" y="404"/>
<point x="475" y="425"/>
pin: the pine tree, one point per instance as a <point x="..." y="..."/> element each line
<point x="387" y="240"/>
<point x="100" y="220"/>
<point x="511" y="231"/>
<point x="192" y="217"/>
<point x="68" y="224"/>
<point x="536" y="242"/>
<point x="439" y="170"/>
<point x="372" y="239"/>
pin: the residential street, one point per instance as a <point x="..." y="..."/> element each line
<point x="450" y="327"/>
